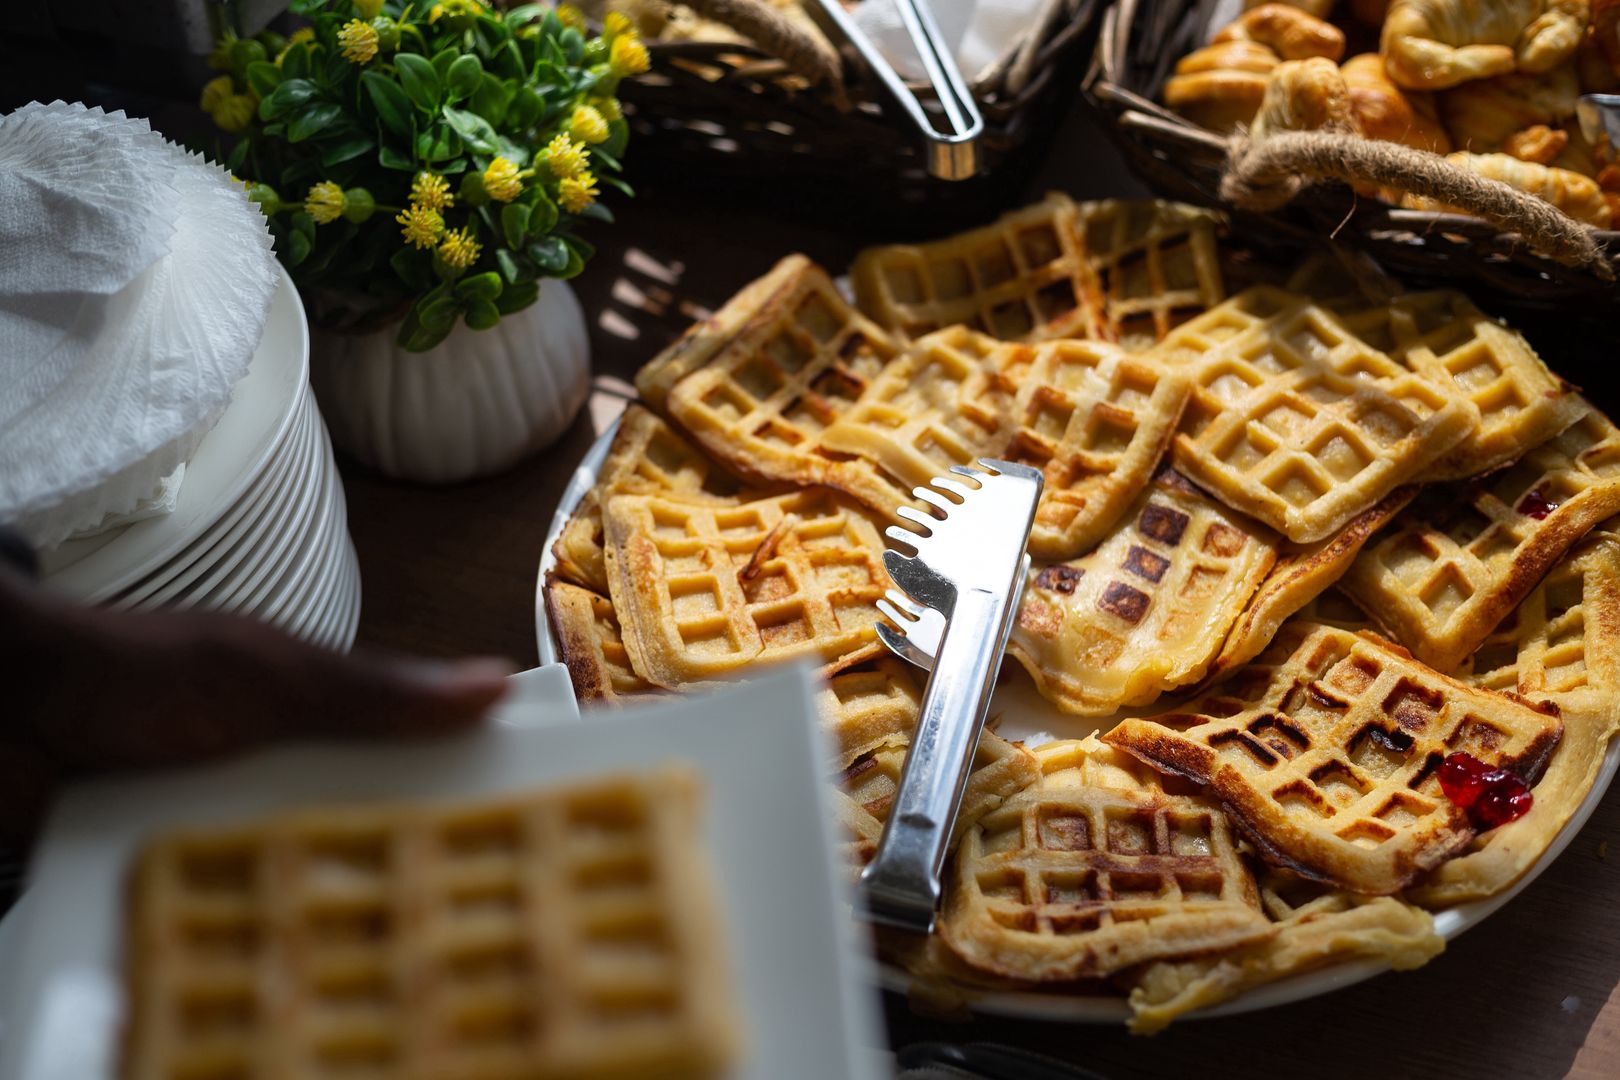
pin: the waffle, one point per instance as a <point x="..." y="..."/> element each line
<point x="564" y="933"/>
<point x="869" y="707"/>
<point x="1459" y="559"/>
<point x="1094" y="869"/>
<point x="591" y="644"/>
<point x="1324" y="752"/>
<point x="578" y="548"/>
<point x="1096" y="420"/>
<point x="1296" y="421"/>
<point x="1316" y="927"/>
<point x="1561" y="645"/>
<point x="1301" y="572"/>
<point x="1146" y="610"/>
<point x="1443" y="337"/>
<point x="1156" y="264"/>
<point x="705" y="591"/>
<point x="1023" y="277"/>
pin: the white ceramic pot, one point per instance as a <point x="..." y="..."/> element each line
<point x="477" y="403"/>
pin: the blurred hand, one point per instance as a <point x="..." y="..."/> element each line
<point x="92" y="689"/>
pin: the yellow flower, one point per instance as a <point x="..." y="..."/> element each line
<point x="575" y="193"/>
<point x="324" y="202"/>
<point x="588" y="126"/>
<point x="459" y="249"/>
<point x="359" y="41"/>
<point x="571" y="17"/>
<point x="299" y="36"/>
<point x="215" y="91"/>
<point x="609" y="108"/>
<point x="616" y="24"/>
<point x="236" y="112"/>
<point x="628" y="56"/>
<point x="368" y="9"/>
<point x="564" y="158"/>
<point x="432" y="191"/>
<point x="463" y="9"/>
<point x="501" y="180"/>
<point x="423" y="225"/>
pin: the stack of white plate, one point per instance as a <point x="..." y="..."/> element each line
<point x="260" y="527"/>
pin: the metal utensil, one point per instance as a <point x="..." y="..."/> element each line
<point x="918" y="641"/>
<point x="967" y="567"/>
<point x="1599" y="116"/>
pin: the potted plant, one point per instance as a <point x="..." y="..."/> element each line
<point x="427" y="170"/>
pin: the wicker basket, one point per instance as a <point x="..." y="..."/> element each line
<point x="1138" y="45"/>
<point x="730" y="120"/>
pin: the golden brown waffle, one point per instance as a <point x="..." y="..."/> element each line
<point x="1561" y="645"/>
<point x="1333" y="608"/>
<point x="578" y="548"/>
<point x="1316" y="927"/>
<point x="703" y="592"/>
<point x="591" y="644"/>
<point x="1156" y="264"/>
<point x="1456" y="562"/>
<point x="563" y="933"/>
<point x="1296" y="421"/>
<point x="1095" y="420"/>
<point x="1023" y="277"/>
<point x="1146" y="610"/>
<point x="1094" y="869"/>
<point x="869" y="707"/>
<point x="1442" y="336"/>
<point x="1300" y="574"/>
<point x="1324" y="751"/>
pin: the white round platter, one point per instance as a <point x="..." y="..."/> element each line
<point x="1025" y="715"/>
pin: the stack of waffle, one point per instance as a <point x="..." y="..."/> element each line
<point x="1351" y="537"/>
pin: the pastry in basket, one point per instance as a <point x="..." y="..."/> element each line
<point x="1388" y="112"/>
<point x="1433" y="44"/>
<point x="704" y="592"/>
<point x="1093" y="869"/>
<point x="1220" y="86"/>
<point x="1304" y="95"/>
<point x="1562" y="645"/>
<point x="1146" y="610"/>
<point x="1299" y="575"/>
<point x="1484" y="116"/>
<point x="1316" y="927"/>
<point x="562" y="933"/>
<point x="1325" y="752"/>
<point x="1578" y="196"/>
<point x="1289" y="31"/>
<point x="1453" y="565"/>
<point x="1296" y="421"/>
<point x="591" y="644"/>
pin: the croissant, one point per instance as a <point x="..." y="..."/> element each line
<point x="1289" y="32"/>
<point x="1304" y="95"/>
<point x="1538" y="143"/>
<point x="1318" y="9"/>
<point x="1220" y="86"/>
<point x="1384" y="111"/>
<point x="1576" y="195"/>
<point x="1435" y="44"/>
<point x="1482" y="114"/>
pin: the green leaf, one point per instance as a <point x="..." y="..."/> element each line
<point x="313" y="120"/>
<point x="390" y="158"/>
<point x="615" y="182"/>
<point x="542" y="215"/>
<point x="573" y="46"/>
<point x="420" y="81"/>
<point x="581" y="247"/>
<point x="413" y="268"/>
<point x="508" y="61"/>
<point x="464" y="78"/>
<point x="474" y="129"/>
<point x="438" y="314"/>
<point x="442" y="61"/>
<point x="576" y="263"/>
<point x="602" y="159"/>
<point x="482" y="314"/>
<point x="526" y="13"/>
<point x="416" y="337"/>
<point x="485" y="286"/>
<point x="290" y="95"/>
<point x="597" y="212"/>
<point x="297" y="249"/>
<point x="514" y="223"/>
<point x="438" y="143"/>
<point x="238" y="154"/>
<point x="304" y="224"/>
<point x="392" y="104"/>
<point x="347" y="148"/>
<point x="263" y="78"/>
<point x="508" y="264"/>
<point x="295" y="62"/>
<point x="618" y="138"/>
<point x="492" y="99"/>
<point x="518" y="297"/>
<point x="335" y="68"/>
<point x="551" y="253"/>
<point x="491" y="32"/>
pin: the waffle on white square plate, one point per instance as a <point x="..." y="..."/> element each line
<point x="1215" y="781"/>
<point x="529" y="899"/>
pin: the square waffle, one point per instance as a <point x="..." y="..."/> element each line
<point x="1095" y="420"/>
<point x="869" y="707"/>
<point x="1024" y="277"/>
<point x="705" y="591"/>
<point x="1325" y="750"/>
<point x="1301" y="572"/>
<point x="1148" y="608"/>
<point x="1562" y="645"/>
<point x="564" y="933"/>
<point x="1457" y="561"/>
<point x="1299" y="423"/>
<point x="591" y="644"/>
<point x="1155" y="263"/>
<point x="1094" y="869"/>
<point x="1315" y="927"/>
<point x="1442" y="336"/>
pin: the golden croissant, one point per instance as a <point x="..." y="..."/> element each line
<point x="1481" y="115"/>
<point x="1435" y="44"/>
<point x="1304" y="95"/>
<point x="1315" y="8"/>
<point x="1576" y="195"/>
<point x="1289" y="32"/>
<point x="1388" y="113"/>
<point x="1220" y="86"/>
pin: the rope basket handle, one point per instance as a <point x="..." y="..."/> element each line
<point x="1264" y="174"/>
<point x="804" y="53"/>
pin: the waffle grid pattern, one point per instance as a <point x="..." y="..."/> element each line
<point x="1155" y="263"/>
<point x="592" y="644"/>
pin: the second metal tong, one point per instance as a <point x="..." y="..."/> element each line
<point x="969" y="566"/>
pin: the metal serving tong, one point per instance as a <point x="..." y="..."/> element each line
<point x="968" y="571"/>
<point x="951" y="151"/>
<point x="1599" y="117"/>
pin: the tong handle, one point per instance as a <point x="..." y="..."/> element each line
<point x="902" y="883"/>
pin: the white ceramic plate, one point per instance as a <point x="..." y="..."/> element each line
<point x="799" y="976"/>
<point x="1025" y="715"/>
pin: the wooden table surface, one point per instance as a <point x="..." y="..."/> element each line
<point x="450" y="571"/>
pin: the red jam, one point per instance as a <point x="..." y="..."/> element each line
<point x="1492" y="796"/>
<point x="1536" y="505"/>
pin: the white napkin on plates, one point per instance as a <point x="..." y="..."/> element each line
<point x="980" y="31"/>
<point x="135" y="280"/>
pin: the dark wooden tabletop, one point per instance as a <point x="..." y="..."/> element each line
<point x="450" y="571"/>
